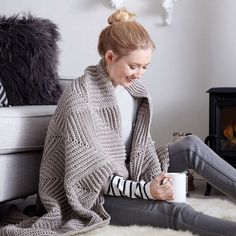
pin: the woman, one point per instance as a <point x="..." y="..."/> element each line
<point x="99" y="144"/>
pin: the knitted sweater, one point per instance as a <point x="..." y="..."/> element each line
<point x="83" y="148"/>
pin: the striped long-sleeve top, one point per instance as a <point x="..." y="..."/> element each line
<point x="118" y="186"/>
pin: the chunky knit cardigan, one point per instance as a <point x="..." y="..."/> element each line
<point x="83" y="148"/>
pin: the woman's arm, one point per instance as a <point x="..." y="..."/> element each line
<point x="118" y="186"/>
<point x="155" y="189"/>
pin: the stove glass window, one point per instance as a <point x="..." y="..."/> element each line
<point x="228" y="129"/>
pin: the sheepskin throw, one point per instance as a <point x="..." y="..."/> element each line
<point x="83" y="148"/>
<point x="29" y="59"/>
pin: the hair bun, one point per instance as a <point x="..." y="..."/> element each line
<point x="121" y="15"/>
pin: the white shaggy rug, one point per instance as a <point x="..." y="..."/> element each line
<point x="212" y="206"/>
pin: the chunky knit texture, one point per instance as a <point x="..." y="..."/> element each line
<point x="83" y="148"/>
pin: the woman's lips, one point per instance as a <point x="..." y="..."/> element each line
<point x="130" y="79"/>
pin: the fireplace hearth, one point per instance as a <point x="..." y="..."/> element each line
<point x="222" y="125"/>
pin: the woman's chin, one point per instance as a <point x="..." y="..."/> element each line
<point x="128" y="83"/>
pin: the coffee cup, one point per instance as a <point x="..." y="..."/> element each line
<point x="178" y="181"/>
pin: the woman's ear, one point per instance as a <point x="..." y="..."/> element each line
<point x="109" y="56"/>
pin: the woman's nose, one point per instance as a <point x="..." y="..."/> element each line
<point x="139" y="73"/>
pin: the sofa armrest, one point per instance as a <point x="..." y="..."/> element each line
<point x="65" y="83"/>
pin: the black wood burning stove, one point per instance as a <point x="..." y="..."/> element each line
<point x="222" y="124"/>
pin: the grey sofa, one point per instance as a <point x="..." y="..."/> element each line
<point x="22" y="133"/>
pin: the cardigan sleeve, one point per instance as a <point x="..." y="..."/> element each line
<point x="118" y="186"/>
<point x="163" y="155"/>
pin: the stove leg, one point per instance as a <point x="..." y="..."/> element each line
<point x="208" y="190"/>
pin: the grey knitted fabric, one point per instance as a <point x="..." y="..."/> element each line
<point x="83" y="148"/>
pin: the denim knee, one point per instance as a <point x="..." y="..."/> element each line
<point x="191" y="142"/>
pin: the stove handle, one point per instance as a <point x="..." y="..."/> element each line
<point x="209" y="138"/>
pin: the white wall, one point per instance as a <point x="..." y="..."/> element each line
<point x="195" y="53"/>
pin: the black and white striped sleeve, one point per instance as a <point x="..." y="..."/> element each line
<point x="3" y="97"/>
<point x="118" y="186"/>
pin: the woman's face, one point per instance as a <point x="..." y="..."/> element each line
<point x="124" y="70"/>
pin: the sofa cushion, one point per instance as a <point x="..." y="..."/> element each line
<point x="29" y="60"/>
<point x="19" y="174"/>
<point x="23" y="128"/>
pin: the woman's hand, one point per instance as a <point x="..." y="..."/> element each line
<point x="161" y="188"/>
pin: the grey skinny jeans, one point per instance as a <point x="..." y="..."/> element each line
<point x="188" y="153"/>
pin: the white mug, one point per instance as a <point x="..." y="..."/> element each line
<point x="178" y="182"/>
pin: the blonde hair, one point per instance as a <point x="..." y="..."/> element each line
<point x="123" y="34"/>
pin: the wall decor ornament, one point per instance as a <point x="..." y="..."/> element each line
<point x="168" y="6"/>
<point x="117" y="3"/>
